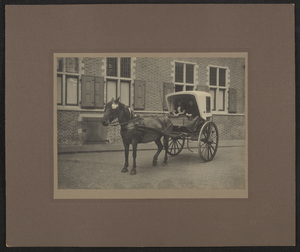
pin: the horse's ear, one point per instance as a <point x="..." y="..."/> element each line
<point x="112" y="99"/>
<point x="118" y="99"/>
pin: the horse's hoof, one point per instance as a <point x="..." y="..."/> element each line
<point x="124" y="169"/>
<point x="165" y="163"/>
<point x="133" y="172"/>
<point x="154" y="162"/>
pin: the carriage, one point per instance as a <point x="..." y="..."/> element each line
<point x="174" y="129"/>
<point x="187" y="129"/>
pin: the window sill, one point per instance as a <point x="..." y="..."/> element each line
<point x="69" y="108"/>
<point x="225" y="113"/>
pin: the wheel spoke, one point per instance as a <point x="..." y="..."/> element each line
<point x="206" y="151"/>
<point x="213" y="137"/>
<point x="210" y="152"/>
<point x="212" y="147"/>
<point x="204" y="148"/>
<point x="179" y="143"/>
<point x="171" y="147"/>
<point x="175" y="147"/>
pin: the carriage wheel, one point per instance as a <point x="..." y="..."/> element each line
<point x="208" y="141"/>
<point x="175" y="146"/>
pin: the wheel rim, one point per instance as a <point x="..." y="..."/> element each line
<point x="175" y="146"/>
<point x="208" y="141"/>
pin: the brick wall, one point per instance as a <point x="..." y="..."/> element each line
<point x="67" y="127"/>
<point x="93" y="66"/>
<point x="230" y="127"/>
<point x="154" y="71"/>
<point x="236" y="68"/>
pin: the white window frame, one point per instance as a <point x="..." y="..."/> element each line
<point x="184" y="84"/>
<point x="217" y="88"/>
<point x="119" y="79"/>
<point x="64" y="76"/>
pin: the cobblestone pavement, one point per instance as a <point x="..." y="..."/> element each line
<point x="187" y="170"/>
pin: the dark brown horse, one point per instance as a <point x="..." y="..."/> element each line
<point x="136" y="130"/>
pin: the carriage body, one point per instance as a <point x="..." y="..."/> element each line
<point x="206" y="132"/>
<point x="202" y="99"/>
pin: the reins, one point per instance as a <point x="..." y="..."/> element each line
<point x="117" y="123"/>
<point x="133" y="120"/>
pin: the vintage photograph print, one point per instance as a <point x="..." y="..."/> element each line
<point x="150" y="125"/>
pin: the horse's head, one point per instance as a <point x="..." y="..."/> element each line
<point x="110" y="111"/>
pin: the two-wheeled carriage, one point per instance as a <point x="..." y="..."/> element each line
<point x="187" y="129"/>
<point x="175" y="130"/>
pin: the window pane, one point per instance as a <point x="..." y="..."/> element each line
<point x="221" y="99"/>
<point x="189" y="73"/>
<point x="213" y="76"/>
<point x="111" y="67"/>
<point x="71" y="90"/>
<point x="125" y="93"/>
<point x="72" y="65"/>
<point x="222" y="77"/>
<point x="60" y="64"/>
<point x="179" y="72"/>
<point x="212" y="92"/>
<point x="189" y="88"/>
<point x="178" y="88"/>
<point x="207" y="104"/>
<point x="111" y="90"/>
<point x="59" y="88"/>
<point x="125" y="67"/>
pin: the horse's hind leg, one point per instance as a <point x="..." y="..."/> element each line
<point x="134" y="150"/>
<point x="166" y="140"/>
<point x="126" y="146"/>
<point x="160" y="147"/>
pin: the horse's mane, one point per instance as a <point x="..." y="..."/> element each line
<point x="127" y="110"/>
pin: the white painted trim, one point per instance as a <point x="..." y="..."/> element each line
<point x="77" y="109"/>
<point x="184" y="84"/>
<point x="217" y="87"/>
<point x="150" y="112"/>
<point x="227" y="114"/>
<point x="90" y="116"/>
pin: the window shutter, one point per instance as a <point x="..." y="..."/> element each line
<point x="139" y="94"/>
<point x="99" y="92"/>
<point x="232" y="100"/>
<point x="87" y="91"/>
<point x="168" y="88"/>
<point x="203" y="88"/>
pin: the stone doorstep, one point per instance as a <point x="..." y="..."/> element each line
<point x="64" y="148"/>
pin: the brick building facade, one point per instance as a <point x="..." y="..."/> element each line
<point x="85" y="84"/>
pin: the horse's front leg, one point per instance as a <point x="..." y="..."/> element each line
<point x="166" y="140"/>
<point x="159" y="149"/>
<point x="126" y="146"/>
<point x="134" y="150"/>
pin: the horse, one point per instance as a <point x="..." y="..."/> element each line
<point x="135" y="129"/>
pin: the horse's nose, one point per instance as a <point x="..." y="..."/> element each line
<point x="104" y="123"/>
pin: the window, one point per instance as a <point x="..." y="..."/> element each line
<point x="59" y="89"/>
<point x="71" y="90"/>
<point x="67" y="81"/>
<point x="218" y="87"/>
<point x="118" y="79"/>
<point x="184" y="76"/>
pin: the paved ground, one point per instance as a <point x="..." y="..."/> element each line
<point x="102" y="170"/>
<point x="68" y="148"/>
